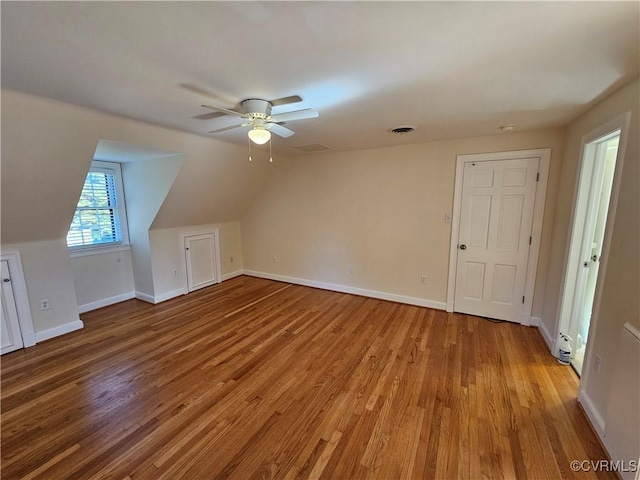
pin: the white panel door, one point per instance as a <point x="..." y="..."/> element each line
<point x="201" y="261"/>
<point x="498" y="198"/>
<point x="10" y="326"/>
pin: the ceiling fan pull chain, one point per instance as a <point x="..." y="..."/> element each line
<point x="270" y="155"/>
<point x="250" y="159"/>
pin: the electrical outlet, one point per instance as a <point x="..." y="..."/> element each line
<point x="352" y="270"/>
<point x="174" y="273"/>
<point x="423" y="279"/>
<point x="230" y="259"/>
<point x="44" y="304"/>
<point x="274" y="259"/>
<point x="596" y="363"/>
<point x="447" y="218"/>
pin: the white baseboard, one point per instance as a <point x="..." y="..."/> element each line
<point x="163" y="297"/>
<point x="230" y="275"/>
<point x="145" y="297"/>
<point x="87" y="307"/>
<point x="545" y="333"/>
<point x="29" y="339"/>
<point x="593" y="415"/>
<point x="598" y="424"/>
<point x="59" y="330"/>
<point x="421" y="302"/>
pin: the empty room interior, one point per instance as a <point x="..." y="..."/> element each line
<point x="336" y="240"/>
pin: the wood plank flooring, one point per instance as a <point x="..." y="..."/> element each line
<point x="257" y="379"/>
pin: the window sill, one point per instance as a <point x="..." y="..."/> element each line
<point x="90" y="251"/>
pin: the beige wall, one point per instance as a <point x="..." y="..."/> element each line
<point x="47" y="273"/>
<point x="100" y="277"/>
<point x="619" y="302"/>
<point x="380" y="211"/>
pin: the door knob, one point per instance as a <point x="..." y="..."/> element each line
<point x="463" y="247"/>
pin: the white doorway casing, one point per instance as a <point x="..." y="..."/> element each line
<point x="20" y="298"/>
<point x="201" y="259"/>
<point x="540" y="156"/>
<point x="575" y="241"/>
<point x="9" y="325"/>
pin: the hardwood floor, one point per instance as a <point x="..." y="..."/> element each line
<point x="259" y="379"/>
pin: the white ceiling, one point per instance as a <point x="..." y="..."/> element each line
<point x="453" y="69"/>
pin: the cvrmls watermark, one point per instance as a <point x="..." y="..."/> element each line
<point x="604" y="466"/>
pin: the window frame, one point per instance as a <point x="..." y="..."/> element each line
<point x="116" y="169"/>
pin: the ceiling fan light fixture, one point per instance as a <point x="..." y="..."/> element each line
<point x="259" y="136"/>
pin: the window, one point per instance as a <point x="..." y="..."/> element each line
<point x="100" y="217"/>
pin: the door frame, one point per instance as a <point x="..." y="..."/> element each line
<point x="572" y="253"/>
<point x="544" y="156"/>
<point x="20" y="296"/>
<point x="216" y="251"/>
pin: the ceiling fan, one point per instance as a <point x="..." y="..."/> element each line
<point x="255" y="113"/>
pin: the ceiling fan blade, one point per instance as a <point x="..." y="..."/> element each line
<point x="224" y="129"/>
<point x="209" y="116"/>
<point x="285" y="100"/>
<point x="279" y="130"/>
<point x="295" y="115"/>
<point x="225" y="110"/>
<point x="201" y="91"/>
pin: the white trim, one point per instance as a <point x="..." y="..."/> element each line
<point x="21" y="297"/>
<point x="230" y="275"/>
<point x="59" y="330"/>
<point x="98" y="250"/>
<point x="115" y="168"/>
<point x="598" y="424"/>
<point x="420" y="302"/>
<point x="163" y="297"/>
<point x="632" y="330"/>
<point x="546" y="336"/>
<point x="183" y="256"/>
<point x="544" y="155"/>
<point x="145" y="297"/>
<point x="104" y="302"/>
<point x="620" y="122"/>
<point x="593" y="415"/>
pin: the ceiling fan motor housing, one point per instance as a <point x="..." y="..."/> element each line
<point x="256" y="108"/>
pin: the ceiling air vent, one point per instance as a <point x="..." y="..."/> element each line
<point x="311" y="147"/>
<point x="403" y="129"/>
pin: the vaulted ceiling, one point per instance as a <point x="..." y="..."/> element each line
<point x="451" y="69"/>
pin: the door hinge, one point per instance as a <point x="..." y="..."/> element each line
<point x="538" y="177"/>
<point x="523" y="299"/>
<point x="530" y="240"/>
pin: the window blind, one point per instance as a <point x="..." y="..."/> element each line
<point x="97" y="218"/>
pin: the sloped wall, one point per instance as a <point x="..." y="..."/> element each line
<point x="146" y="185"/>
<point x="47" y="148"/>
